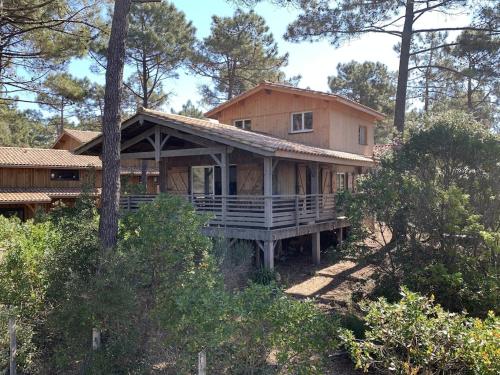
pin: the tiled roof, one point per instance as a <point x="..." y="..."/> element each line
<point x="48" y="158"/>
<point x="82" y="136"/>
<point x="38" y="195"/>
<point x="253" y="139"/>
<point x="299" y="91"/>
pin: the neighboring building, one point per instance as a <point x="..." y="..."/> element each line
<point x="32" y="178"/>
<point x="269" y="174"/>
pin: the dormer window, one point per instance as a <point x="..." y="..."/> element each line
<point x="245" y="124"/>
<point x="362" y="135"/>
<point x="301" y="122"/>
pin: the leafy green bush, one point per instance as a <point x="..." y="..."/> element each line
<point x="264" y="276"/>
<point x="435" y="206"/>
<point x="416" y="336"/>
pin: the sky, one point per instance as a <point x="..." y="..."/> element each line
<point x="313" y="61"/>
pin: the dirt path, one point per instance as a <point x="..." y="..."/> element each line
<point x="330" y="285"/>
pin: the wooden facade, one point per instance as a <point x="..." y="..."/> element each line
<point x="255" y="187"/>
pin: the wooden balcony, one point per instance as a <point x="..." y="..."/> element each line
<point x="254" y="211"/>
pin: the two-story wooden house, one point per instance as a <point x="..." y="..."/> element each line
<point x="266" y="164"/>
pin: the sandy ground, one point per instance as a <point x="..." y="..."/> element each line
<point x="331" y="285"/>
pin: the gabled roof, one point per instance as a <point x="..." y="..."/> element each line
<point x="23" y="157"/>
<point x="266" y="85"/>
<point x="232" y="136"/>
<point x="81" y="136"/>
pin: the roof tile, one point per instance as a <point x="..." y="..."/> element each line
<point x="48" y="158"/>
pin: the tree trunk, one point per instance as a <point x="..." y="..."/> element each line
<point x="470" y="107"/>
<point x="404" y="58"/>
<point x="61" y="119"/>
<point x="108" y="224"/>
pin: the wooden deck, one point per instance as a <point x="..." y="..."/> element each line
<point x="254" y="212"/>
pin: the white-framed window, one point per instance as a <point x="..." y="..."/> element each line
<point x="362" y="135"/>
<point x="301" y="122"/>
<point x="341" y="181"/>
<point x="243" y="124"/>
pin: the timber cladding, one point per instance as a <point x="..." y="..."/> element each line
<point x="270" y="113"/>
<point x="335" y="126"/>
<point x="40" y="177"/>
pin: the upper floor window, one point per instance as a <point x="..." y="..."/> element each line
<point x="65" y="174"/>
<point x="243" y="124"/>
<point x="302" y="122"/>
<point x="363" y="135"/>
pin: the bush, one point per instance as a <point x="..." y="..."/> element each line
<point x="416" y="336"/>
<point x="437" y="198"/>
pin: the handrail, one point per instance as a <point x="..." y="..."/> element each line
<point x="253" y="211"/>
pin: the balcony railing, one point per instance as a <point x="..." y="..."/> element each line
<point x="254" y="211"/>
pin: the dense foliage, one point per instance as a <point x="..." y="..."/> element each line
<point x="158" y="300"/>
<point x="438" y="201"/>
<point x="416" y="336"/>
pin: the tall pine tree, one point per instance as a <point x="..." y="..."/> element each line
<point x="239" y="53"/>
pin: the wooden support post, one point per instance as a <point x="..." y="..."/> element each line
<point x="163" y="177"/>
<point x="13" y="345"/>
<point x="202" y="363"/>
<point x="96" y="338"/>
<point x="340" y="237"/>
<point x="315" y="187"/>
<point x="316" y="247"/>
<point x="144" y="174"/>
<point x="269" y="255"/>
<point x="268" y="191"/>
<point x="224" y="166"/>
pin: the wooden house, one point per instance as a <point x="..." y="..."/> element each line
<point x="266" y="164"/>
<point x="32" y="178"/>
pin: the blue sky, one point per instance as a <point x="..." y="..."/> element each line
<point x="314" y="61"/>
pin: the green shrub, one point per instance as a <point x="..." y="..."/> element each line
<point x="264" y="276"/>
<point x="416" y="336"/>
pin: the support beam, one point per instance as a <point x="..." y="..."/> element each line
<point x="316" y="247"/>
<point x="175" y="153"/>
<point x="137" y="139"/>
<point x="340" y="236"/>
<point x="269" y="255"/>
<point x="268" y="191"/>
<point x="315" y="186"/>
<point x="224" y="168"/>
<point x="157" y="144"/>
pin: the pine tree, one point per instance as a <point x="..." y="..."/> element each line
<point x="189" y="109"/>
<point x="239" y="53"/>
<point x="159" y="41"/>
<point x="60" y="93"/>
<point x="343" y="20"/>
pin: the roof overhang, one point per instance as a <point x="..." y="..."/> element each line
<point x="143" y="122"/>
